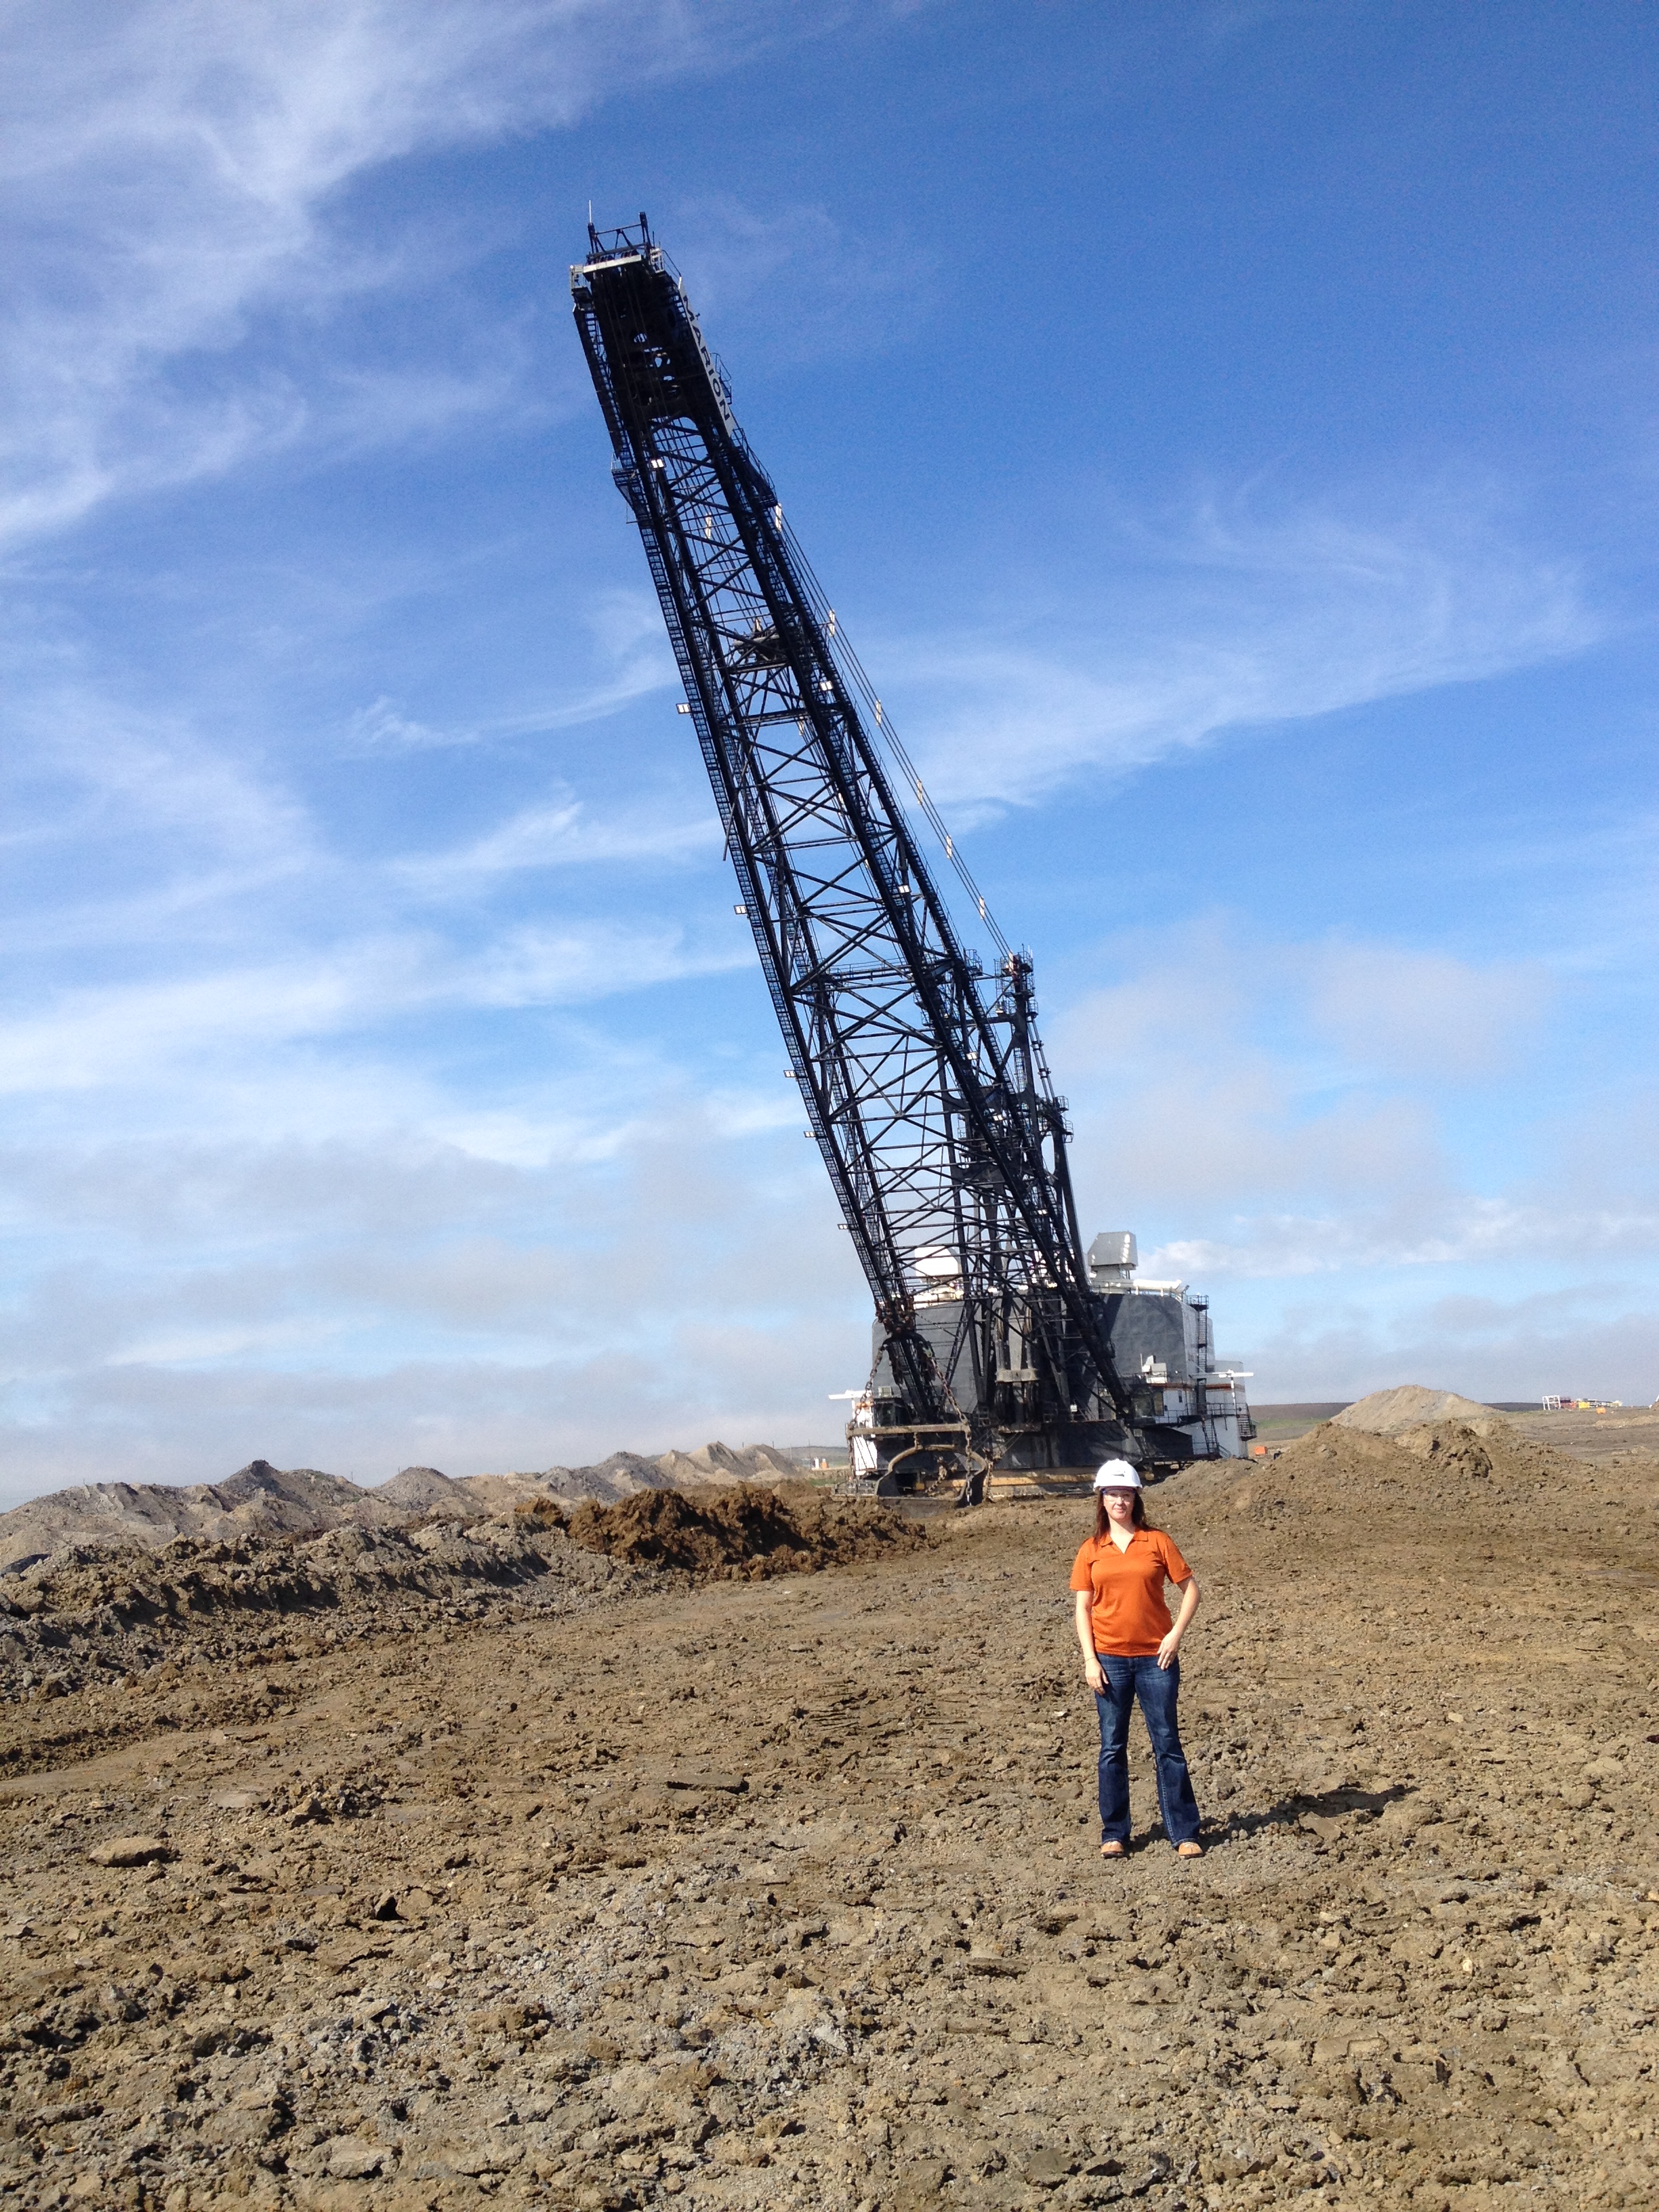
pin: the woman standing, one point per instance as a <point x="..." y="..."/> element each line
<point x="1129" y="1647"/>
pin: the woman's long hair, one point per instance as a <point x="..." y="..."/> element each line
<point x="1101" y="1524"/>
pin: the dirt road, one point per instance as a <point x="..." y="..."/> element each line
<point x="786" y="1892"/>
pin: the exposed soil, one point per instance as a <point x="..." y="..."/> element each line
<point x="88" y="1616"/>
<point x="748" y="1532"/>
<point x="1391" y="1413"/>
<point x="1621" y="1431"/>
<point x="641" y="1885"/>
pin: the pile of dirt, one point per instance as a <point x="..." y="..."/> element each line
<point x="415" y="1490"/>
<point x="1426" y="1481"/>
<point x="263" y="1500"/>
<point x="719" y="1463"/>
<point x="258" y="1499"/>
<point x="625" y="1474"/>
<point x="89" y="1615"/>
<point x="745" y="1532"/>
<point x="1388" y="1413"/>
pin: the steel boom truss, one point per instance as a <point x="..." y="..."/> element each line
<point x="921" y="1072"/>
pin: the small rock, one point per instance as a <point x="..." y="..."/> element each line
<point x="386" y="1907"/>
<point x="131" y="1852"/>
<point x="476" y="2163"/>
<point x="1047" y="2168"/>
<point x="350" y="2159"/>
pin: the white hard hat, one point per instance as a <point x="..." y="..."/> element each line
<point x="1116" y="1474"/>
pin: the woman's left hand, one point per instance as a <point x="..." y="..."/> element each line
<point x="1171" y="1644"/>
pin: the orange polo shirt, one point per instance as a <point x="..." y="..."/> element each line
<point x="1128" y="1616"/>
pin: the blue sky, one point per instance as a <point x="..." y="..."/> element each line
<point x="1227" y="435"/>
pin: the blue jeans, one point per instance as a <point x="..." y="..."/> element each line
<point x="1157" y="1687"/>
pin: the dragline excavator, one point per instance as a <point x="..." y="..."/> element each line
<point x="998" y="1339"/>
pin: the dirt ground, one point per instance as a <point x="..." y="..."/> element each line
<point x="1621" y="1430"/>
<point x="785" y="1892"/>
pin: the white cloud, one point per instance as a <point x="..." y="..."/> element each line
<point x="383" y="726"/>
<point x="1327" y="1110"/>
<point x="1397" y="1010"/>
<point x="134" y="1035"/>
<point x="1230" y="617"/>
<point x="1445" y="1228"/>
<point x="563" y="832"/>
<point x="111" y="769"/>
<point x="627" y="628"/>
<point x="170" y="170"/>
<point x="323" y="1305"/>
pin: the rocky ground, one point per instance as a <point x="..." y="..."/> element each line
<point x="610" y="1883"/>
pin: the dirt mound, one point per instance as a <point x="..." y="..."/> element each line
<point x="719" y="1463"/>
<point x="1483" y="1475"/>
<point x="257" y="1498"/>
<point x="1453" y="1466"/>
<point x="263" y="1500"/>
<point x="606" y="1481"/>
<point x="626" y="1473"/>
<point x="417" y="1490"/>
<point x="87" y="1614"/>
<point x="1388" y="1413"/>
<point x="745" y="1531"/>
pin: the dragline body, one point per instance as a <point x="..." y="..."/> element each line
<point x="997" y="1338"/>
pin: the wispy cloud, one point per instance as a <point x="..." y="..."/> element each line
<point x="561" y="832"/>
<point x="172" y="175"/>
<point x="1353" y="1117"/>
<point x="1452" y="1230"/>
<point x="383" y="726"/>
<point x="626" y="628"/>
<point x="827" y="291"/>
<point x="1240" y="614"/>
<point x="110" y="765"/>
<point x="132" y="1035"/>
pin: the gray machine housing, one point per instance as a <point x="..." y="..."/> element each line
<point x="1187" y="1406"/>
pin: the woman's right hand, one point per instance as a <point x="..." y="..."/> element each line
<point x="1095" y="1675"/>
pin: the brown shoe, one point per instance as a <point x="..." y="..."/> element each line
<point x="1189" y="1850"/>
<point x="1113" y="1851"/>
